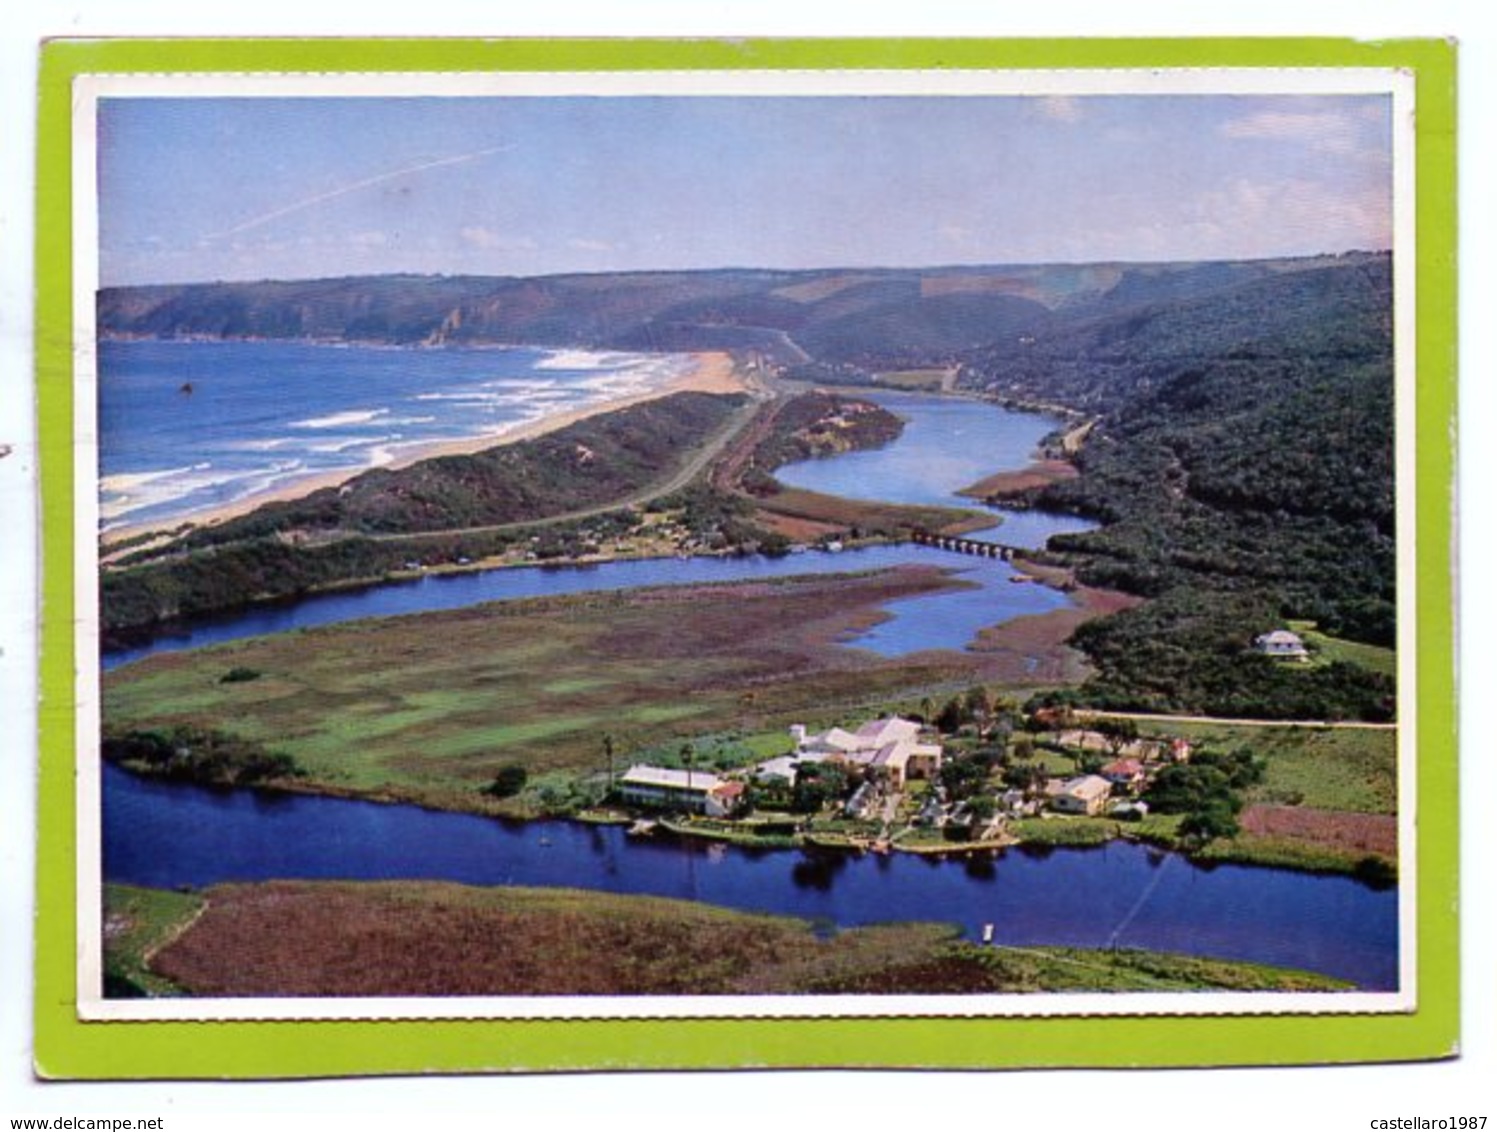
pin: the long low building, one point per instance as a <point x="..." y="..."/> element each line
<point x="664" y="788"/>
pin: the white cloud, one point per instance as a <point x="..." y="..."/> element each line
<point x="1326" y="131"/>
<point x="477" y="236"/>
<point x="1245" y="218"/>
<point x="578" y="243"/>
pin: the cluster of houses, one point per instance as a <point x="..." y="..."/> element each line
<point x="1116" y="786"/>
<point x="890" y="752"/>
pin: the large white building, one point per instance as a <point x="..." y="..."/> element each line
<point x="890" y="746"/>
<point x="664" y="788"/>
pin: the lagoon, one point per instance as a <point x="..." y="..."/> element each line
<point x="947" y="444"/>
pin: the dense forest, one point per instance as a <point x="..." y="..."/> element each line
<point x="1242" y="466"/>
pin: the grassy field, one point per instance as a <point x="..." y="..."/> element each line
<point x="1324" y="649"/>
<point x="337" y="938"/>
<point x="1323" y="768"/>
<point x="137" y="921"/>
<point x="429" y="707"/>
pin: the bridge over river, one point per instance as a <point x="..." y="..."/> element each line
<point x="969" y="545"/>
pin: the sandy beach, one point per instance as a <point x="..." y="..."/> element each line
<point x="711" y="372"/>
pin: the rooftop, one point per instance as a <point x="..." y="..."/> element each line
<point x="696" y="780"/>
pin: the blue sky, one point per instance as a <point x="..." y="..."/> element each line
<point x="257" y="188"/>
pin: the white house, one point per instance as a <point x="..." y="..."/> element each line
<point x="1281" y="643"/>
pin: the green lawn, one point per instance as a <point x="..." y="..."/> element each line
<point x="1066" y="831"/>
<point x="1325" y="648"/>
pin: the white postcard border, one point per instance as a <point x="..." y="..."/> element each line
<point x="1039" y="84"/>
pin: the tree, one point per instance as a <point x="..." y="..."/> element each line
<point x="1028" y="777"/>
<point x="1215" y="820"/>
<point x="951" y="718"/>
<point x="982" y="808"/>
<point x="816" y="784"/>
<point x="963" y="777"/>
<point x="1190" y="788"/>
<point x="1118" y="733"/>
<point x="978" y="706"/>
<point x="508" y="782"/>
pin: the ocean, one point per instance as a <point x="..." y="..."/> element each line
<point x="186" y="427"/>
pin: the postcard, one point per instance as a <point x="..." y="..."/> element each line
<point x="657" y="556"/>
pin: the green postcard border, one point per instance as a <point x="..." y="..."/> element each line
<point x="68" y="1048"/>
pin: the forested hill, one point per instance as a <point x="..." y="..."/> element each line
<point x="872" y="318"/>
<point x="1242" y="464"/>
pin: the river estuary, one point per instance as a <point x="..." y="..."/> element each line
<point x="165" y="835"/>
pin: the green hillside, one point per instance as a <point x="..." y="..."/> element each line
<point x="1242" y="466"/>
<point x="876" y="318"/>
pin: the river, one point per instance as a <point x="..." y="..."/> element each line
<point x="166" y="835"/>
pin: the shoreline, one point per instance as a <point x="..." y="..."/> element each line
<point x="1230" y="852"/>
<point x="713" y="371"/>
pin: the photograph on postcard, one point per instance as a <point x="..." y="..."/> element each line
<point x="758" y="543"/>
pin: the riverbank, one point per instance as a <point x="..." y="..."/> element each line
<point x="338" y="939"/>
<point x="710" y="372"/>
<point x="1035" y="649"/>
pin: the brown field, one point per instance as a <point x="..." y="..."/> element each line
<point x="844" y="514"/>
<point x="934" y="286"/>
<point x="297" y="938"/>
<point x="337" y="939"/>
<point x="814" y="290"/>
<point x="1038" y="474"/>
<point x="1348" y="832"/>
